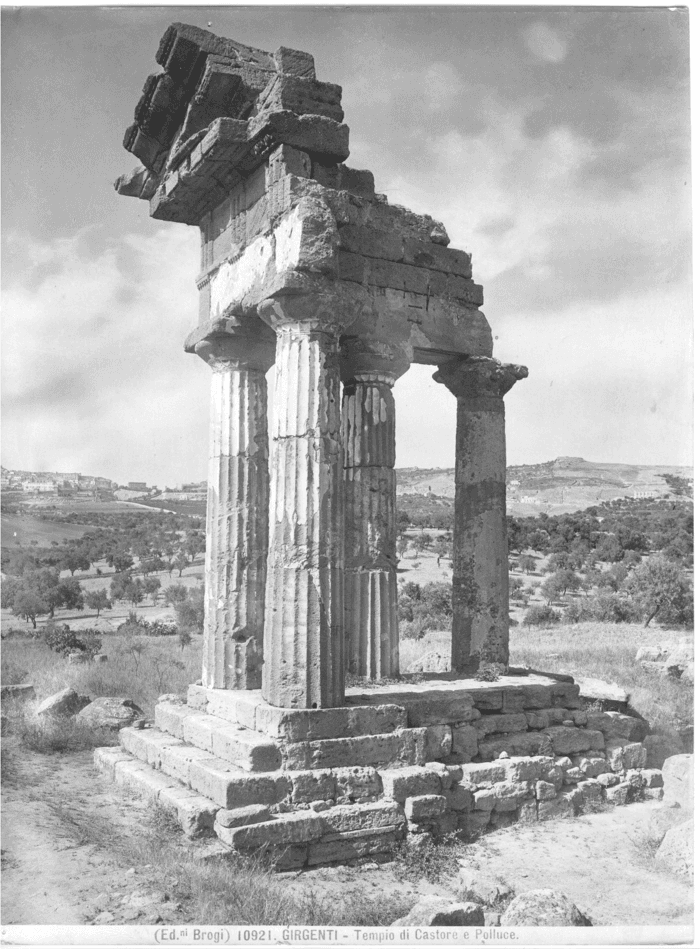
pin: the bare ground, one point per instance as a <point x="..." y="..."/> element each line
<point x="53" y="872"/>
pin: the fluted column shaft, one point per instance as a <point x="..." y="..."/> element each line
<point x="371" y="612"/>
<point x="480" y="579"/>
<point x="304" y="651"/>
<point x="237" y="509"/>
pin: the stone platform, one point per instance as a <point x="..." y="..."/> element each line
<point x="437" y="756"/>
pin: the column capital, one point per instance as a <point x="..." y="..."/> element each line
<point x="240" y="342"/>
<point x="373" y="360"/>
<point x="329" y="309"/>
<point x="479" y="377"/>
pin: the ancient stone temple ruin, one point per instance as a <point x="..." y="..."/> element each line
<point x="306" y="268"/>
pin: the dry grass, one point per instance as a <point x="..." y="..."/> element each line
<point x="235" y="891"/>
<point x="161" y="667"/>
<point x="606" y="651"/>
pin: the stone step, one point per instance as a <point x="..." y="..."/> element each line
<point x="311" y="837"/>
<point x="406" y="746"/>
<point x="232" y="787"/>
<point x="248" y="750"/>
<point x="194" y="812"/>
<point x="249" y="709"/>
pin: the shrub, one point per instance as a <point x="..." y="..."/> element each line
<point x="541" y="616"/>
<point x="61" y="639"/>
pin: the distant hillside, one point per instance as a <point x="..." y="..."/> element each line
<point x="555" y="487"/>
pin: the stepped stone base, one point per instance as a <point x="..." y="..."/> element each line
<point x="323" y="786"/>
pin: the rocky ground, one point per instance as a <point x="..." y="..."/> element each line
<point x="61" y="864"/>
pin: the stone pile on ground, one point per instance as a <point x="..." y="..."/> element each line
<point x="543" y="908"/>
<point x="112" y="712"/>
<point x="674" y="660"/>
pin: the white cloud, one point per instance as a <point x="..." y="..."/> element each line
<point x="94" y="375"/>
<point x="545" y="43"/>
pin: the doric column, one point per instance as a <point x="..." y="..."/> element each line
<point x="239" y="353"/>
<point x="480" y="579"/>
<point x="369" y="370"/>
<point x="304" y="650"/>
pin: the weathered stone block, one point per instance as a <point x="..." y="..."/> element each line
<point x="560" y="806"/>
<point x="348" y="847"/>
<point x="346" y="818"/>
<point x="509" y="796"/>
<point x="438" y="708"/>
<point x="566" y="695"/>
<point x="488" y="699"/>
<point x="500" y="724"/>
<point x="409" y="782"/>
<point x="230" y="788"/>
<point x="357" y="785"/>
<point x="425" y="807"/>
<point x="573" y="776"/>
<point x="619" y="725"/>
<point x="459" y="798"/>
<point x="483" y="775"/>
<point x="240" y="816"/>
<point x="538" y="719"/>
<point x="652" y="778"/>
<point x="484" y="800"/>
<point x="590" y="765"/>
<point x="170" y="718"/>
<point x="244" y="748"/>
<point x="406" y="746"/>
<point x="528" y="769"/>
<point x="617" y="794"/>
<point x="312" y="786"/>
<point x="566" y="741"/>
<point x="105" y="759"/>
<point x="176" y="760"/>
<point x="443" y="772"/>
<point x="287" y="829"/>
<point x="195" y="813"/>
<point x="591" y="789"/>
<point x="625" y="755"/>
<point x="545" y="791"/>
<point x="465" y="742"/>
<point x="141" y="779"/>
<point x="527" y="812"/>
<point x="608" y="779"/>
<point x="523" y="743"/>
<point x="438" y="742"/>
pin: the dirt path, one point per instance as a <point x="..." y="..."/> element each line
<point x="53" y="874"/>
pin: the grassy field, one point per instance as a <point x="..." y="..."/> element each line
<point x="23" y="530"/>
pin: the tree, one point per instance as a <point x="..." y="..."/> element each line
<point x="71" y="594"/>
<point x="422" y="541"/>
<point x="151" y="586"/>
<point x="195" y="543"/>
<point x="29" y="604"/>
<point x="121" y="560"/>
<point x="175" y="593"/>
<point x="527" y="563"/>
<point x="190" y="612"/>
<point x="75" y="560"/>
<point x="98" y="600"/>
<point x="660" y="588"/>
<point x="135" y="591"/>
<point x="443" y="548"/>
<point x="180" y="562"/>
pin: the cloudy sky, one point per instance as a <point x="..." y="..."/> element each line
<point x="554" y="144"/>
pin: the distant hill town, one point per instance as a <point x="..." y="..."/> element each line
<point x="552" y="487"/>
<point x="559" y="486"/>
